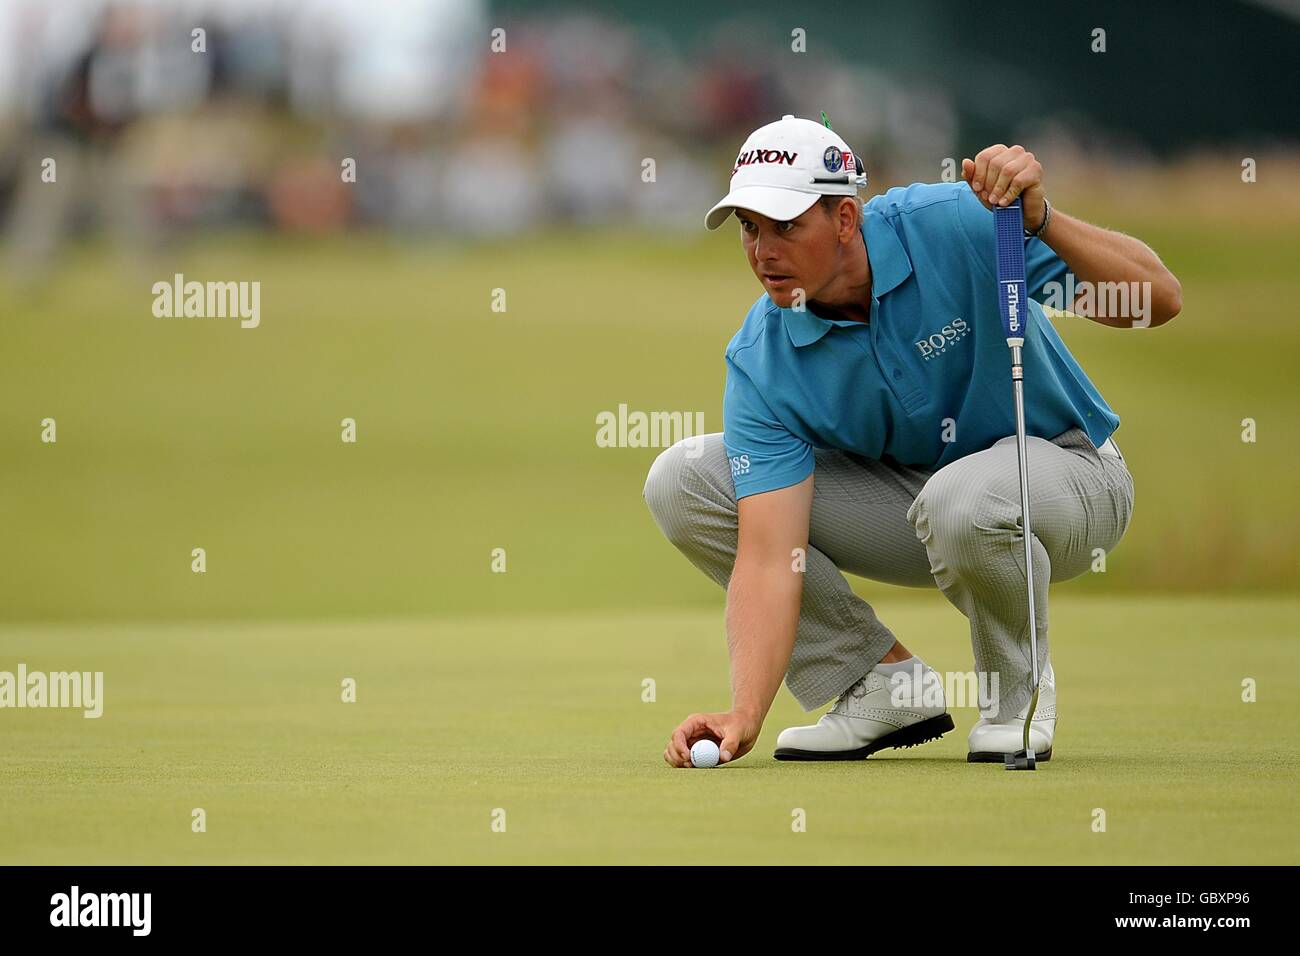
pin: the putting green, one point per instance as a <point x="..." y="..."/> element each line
<point x="542" y="716"/>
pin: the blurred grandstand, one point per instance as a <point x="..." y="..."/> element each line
<point x="153" y="137"/>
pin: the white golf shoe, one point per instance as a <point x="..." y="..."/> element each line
<point x="867" y="718"/>
<point x="992" y="740"/>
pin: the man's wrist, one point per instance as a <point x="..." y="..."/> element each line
<point x="749" y="711"/>
<point x="1042" y="226"/>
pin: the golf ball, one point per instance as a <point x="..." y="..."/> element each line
<point x="704" y="753"/>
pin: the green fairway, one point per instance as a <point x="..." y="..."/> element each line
<point x="476" y="431"/>
<point x="542" y="716"/>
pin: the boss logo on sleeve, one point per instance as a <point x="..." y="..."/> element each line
<point x="739" y="465"/>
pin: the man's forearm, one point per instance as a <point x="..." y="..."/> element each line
<point x="763" y="601"/>
<point x="1098" y="256"/>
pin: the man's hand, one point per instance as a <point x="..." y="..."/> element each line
<point x="1001" y="173"/>
<point x="735" y="732"/>
<point x="1094" y="255"/>
<point x="763" y="600"/>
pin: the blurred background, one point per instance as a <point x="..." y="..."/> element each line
<point x="505" y="146"/>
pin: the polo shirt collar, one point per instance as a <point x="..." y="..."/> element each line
<point x="890" y="266"/>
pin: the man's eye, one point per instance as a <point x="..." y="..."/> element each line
<point x="746" y="225"/>
<point x="784" y="226"/>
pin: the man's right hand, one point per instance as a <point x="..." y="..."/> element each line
<point x="763" y="599"/>
<point x="734" y="732"/>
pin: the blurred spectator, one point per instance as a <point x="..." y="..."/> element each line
<point x="489" y="188"/>
<point x="70" y="166"/>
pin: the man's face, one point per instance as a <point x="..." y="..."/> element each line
<point x="800" y="253"/>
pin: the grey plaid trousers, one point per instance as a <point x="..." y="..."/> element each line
<point x="957" y="528"/>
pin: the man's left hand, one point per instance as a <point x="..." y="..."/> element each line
<point x="1000" y="173"/>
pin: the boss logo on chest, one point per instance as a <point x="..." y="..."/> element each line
<point x="938" y="342"/>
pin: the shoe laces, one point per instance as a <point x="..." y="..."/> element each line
<point x="857" y="691"/>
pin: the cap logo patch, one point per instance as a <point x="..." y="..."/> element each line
<point x="833" y="159"/>
<point x="779" y="156"/>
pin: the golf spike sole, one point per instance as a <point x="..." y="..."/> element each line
<point x="916" y="734"/>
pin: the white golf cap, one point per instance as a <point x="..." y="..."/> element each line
<point x="785" y="167"/>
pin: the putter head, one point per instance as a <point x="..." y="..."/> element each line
<point x="1024" y="759"/>
<point x="1021" y="760"/>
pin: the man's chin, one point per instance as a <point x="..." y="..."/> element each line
<point x="784" y="295"/>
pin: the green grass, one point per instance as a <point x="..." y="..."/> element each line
<point x="477" y="429"/>
<point x="542" y="716"/>
<point x="522" y="690"/>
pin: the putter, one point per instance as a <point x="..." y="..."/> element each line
<point x="1013" y="297"/>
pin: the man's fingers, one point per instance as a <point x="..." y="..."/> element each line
<point x="982" y="159"/>
<point x="680" y="742"/>
<point x="1010" y="167"/>
<point x="1013" y="161"/>
<point x="690" y="730"/>
<point x="1022" y="181"/>
<point x="719" y="730"/>
<point x="981" y="167"/>
<point x="968" y="174"/>
<point x="730" y="745"/>
<point x="991" y="170"/>
<point x="673" y="754"/>
<point x="717" y="727"/>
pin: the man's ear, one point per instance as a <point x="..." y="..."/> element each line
<point x="848" y="214"/>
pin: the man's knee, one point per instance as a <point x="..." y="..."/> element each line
<point x="682" y="479"/>
<point x="950" y="514"/>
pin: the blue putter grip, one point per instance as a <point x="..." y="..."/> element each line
<point x="1013" y="293"/>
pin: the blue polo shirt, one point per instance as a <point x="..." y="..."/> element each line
<point x="932" y="363"/>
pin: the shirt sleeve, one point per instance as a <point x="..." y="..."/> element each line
<point x="1044" y="269"/>
<point x="764" y="454"/>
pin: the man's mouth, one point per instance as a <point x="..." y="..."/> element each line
<point x="776" y="278"/>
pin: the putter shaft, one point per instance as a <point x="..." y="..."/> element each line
<point x="1017" y="382"/>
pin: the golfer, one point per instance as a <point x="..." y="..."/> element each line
<point x="869" y="428"/>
